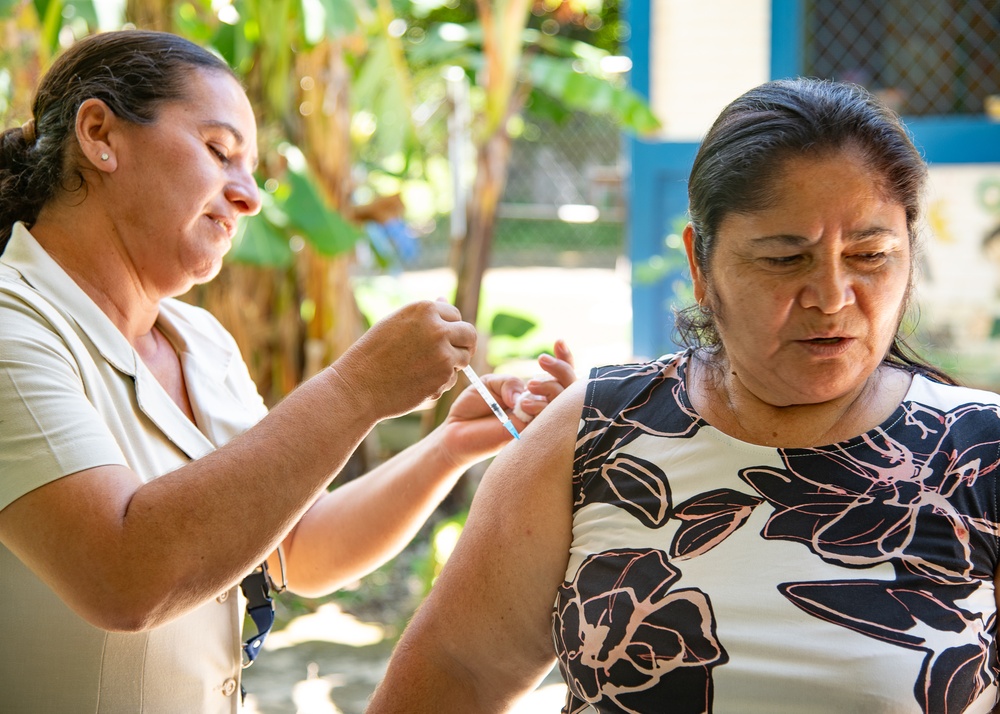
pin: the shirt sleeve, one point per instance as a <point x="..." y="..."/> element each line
<point x="48" y="427"/>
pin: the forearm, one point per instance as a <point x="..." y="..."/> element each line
<point x="357" y="527"/>
<point x="244" y="498"/>
<point x="129" y="555"/>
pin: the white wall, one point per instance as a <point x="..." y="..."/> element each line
<point x="704" y="54"/>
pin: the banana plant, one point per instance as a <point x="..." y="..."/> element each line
<point x="507" y="61"/>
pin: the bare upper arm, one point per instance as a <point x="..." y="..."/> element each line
<point x="489" y="614"/>
<point x="69" y="531"/>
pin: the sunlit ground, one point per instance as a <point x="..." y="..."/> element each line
<point x="350" y="659"/>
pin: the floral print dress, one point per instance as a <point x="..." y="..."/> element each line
<point x="707" y="574"/>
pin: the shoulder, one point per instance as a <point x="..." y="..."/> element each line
<point x="948" y="397"/>
<point x="668" y="364"/>
<point x="31" y="324"/>
<point x="615" y="386"/>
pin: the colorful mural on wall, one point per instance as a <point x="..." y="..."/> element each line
<point x="958" y="288"/>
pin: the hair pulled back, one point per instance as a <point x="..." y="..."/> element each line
<point x="739" y="161"/>
<point x="134" y="72"/>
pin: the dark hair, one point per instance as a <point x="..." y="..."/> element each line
<point x="737" y="164"/>
<point x="134" y="72"/>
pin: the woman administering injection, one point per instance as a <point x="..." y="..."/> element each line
<point x="141" y="478"/>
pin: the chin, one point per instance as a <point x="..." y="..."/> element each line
<point x="206" y="271"/>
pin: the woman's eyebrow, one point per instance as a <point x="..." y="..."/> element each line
<point x="226" y="126"/>
<point x="790" y="239"/>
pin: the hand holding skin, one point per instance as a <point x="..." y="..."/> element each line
<point x="406" y="358"/>
<point x="355" y="528"/>
<point x="471" y="432"/>
<point x="544" y="388"/>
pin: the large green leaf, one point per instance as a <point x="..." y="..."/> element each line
<point x="379" y="89"/>
<point x="50" y="16"/>
<point x="320" y="225"/>
<point x="260" y="243"/>
<point x="436" y="49"/>
<point x="506" y="324"/>
<point x="595" y="95"/>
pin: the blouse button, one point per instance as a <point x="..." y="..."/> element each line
<point x="228" y="687"/>
<point x="223" y="597"/>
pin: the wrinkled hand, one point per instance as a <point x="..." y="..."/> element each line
<point x="471" y="432"/>
<point x="406" y="358"/>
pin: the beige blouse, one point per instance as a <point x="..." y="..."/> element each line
<point x="75" y="395"/>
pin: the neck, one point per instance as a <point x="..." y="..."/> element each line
<point x="724" y="402"/>
<point x="89" y="249"/>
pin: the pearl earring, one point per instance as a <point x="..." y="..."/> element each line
<point x="104" y="157"/>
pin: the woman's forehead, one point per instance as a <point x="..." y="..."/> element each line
<point x="216" y="96"/>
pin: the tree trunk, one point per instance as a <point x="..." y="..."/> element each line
<point x="150" y="14"/>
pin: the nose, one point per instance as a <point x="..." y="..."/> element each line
<point x="244" y="194"/>
<point x="828" y="288"/>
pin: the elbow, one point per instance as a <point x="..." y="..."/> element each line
<point x="124" y="618"/>
<point x="314" y="588"/>
<point x="125" y="623"/>
<point x="125" y="612"/>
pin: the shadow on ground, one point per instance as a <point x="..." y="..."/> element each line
<point x="296" y="676"/>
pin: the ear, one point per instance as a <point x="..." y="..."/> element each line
<point x="95" y="124"/>
<point x="697" y="277"/>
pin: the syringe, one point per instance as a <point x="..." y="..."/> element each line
<point x="488" y="396"/>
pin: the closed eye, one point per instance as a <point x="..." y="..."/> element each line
<point x="870" y="258"/>
<point x="219" y="154"/>
<point x="782" y="260"/>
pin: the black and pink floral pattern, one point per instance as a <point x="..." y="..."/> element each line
<point x="917" y="495"/>
<point x="630" y="642"/>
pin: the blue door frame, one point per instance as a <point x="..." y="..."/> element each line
<point x="657" y="182"/>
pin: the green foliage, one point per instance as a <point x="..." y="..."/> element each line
<point x="443" y="539"/>
<point x="568" y="72"/>
<point x="51" y="16"/>
<point x="590" y="93"/>
<point x="508" y="325"/>
<point x="263" y="240"/>
<point x="334" y="18"/>
<point x="670" y="264"/>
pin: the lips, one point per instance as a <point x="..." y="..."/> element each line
<point x="228" y="225"/>
<point x="827" y="345"/>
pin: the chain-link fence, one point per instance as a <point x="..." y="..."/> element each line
<point x="563" y="204"/>
<point x="923" y="57"/>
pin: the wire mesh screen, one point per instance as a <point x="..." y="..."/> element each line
<point x="563" y="204"/>
<point x="923" y="57"/>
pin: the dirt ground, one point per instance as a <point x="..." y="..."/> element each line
<point x="329" y="661"/>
